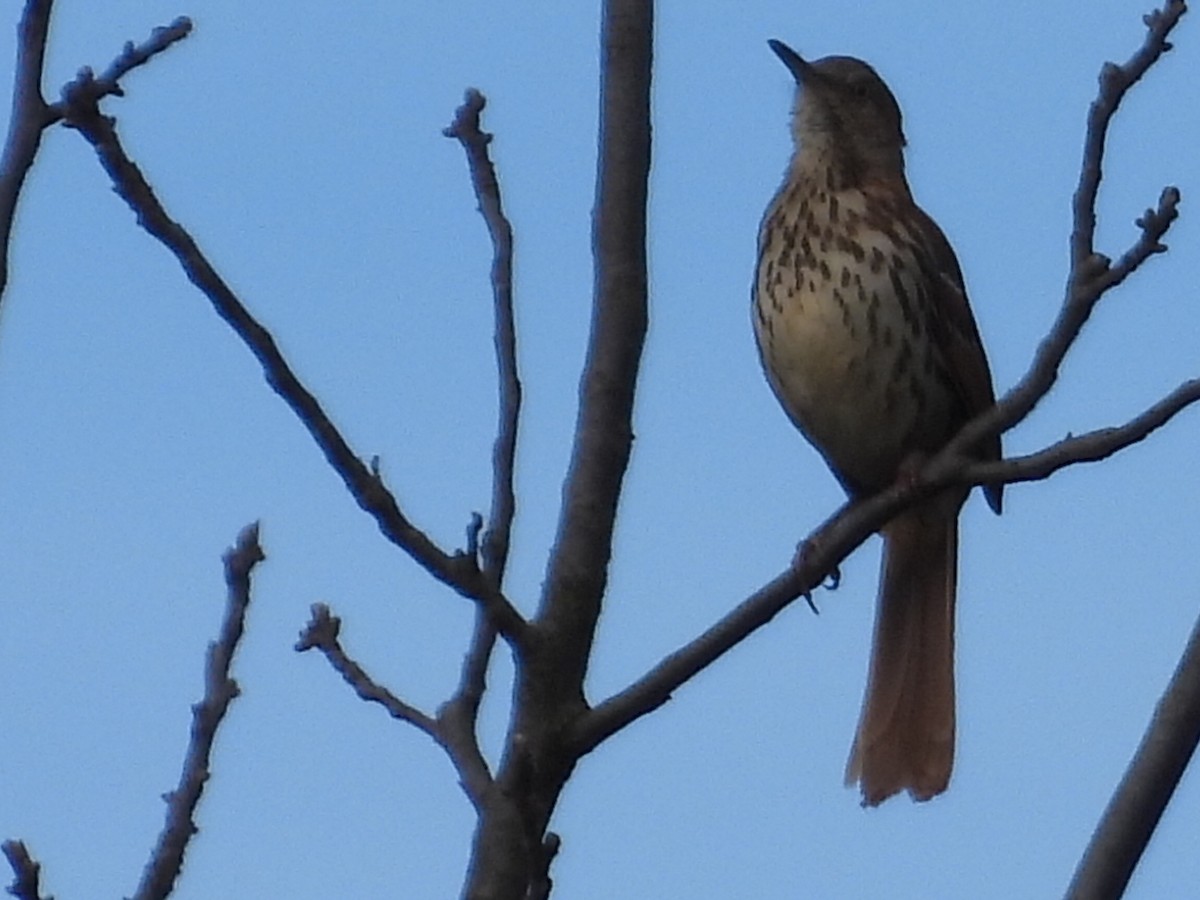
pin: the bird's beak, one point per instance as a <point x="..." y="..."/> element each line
<point x="800" y="70"/>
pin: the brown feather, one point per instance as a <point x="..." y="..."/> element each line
<point x="905" y="737"/>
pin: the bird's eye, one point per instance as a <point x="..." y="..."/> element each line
<point x="859" y="91"/>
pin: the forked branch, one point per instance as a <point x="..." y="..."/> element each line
<point x="365" y="483"/>
<point x="31" y="115"/>
<point x="323" y="633"/>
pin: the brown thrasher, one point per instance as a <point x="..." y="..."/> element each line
<point x="868" y="341"/>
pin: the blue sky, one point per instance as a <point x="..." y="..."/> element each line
<point x="304" y="152"/>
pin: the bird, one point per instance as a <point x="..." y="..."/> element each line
<point x="868" y="341"/>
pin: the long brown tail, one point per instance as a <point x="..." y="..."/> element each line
<point x="905" y="737"/>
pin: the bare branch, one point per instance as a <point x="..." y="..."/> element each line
<point x="28" y="120"/>
<point x="1143" y="794"/>
<point x="578" y="570"/>
<point x="655" y="688"/>
<point x="1091" y="273"/>
<point x="166" y="862"/>
<point x="457" y="719"/>
<point x="31" y="115"/>
<point x="1115" y="82"/>
<point x="1154" y="224"/>
<point x="465" y="129"/>
<point x="459" y="571"/>
<point x="132" y="56"/>
<point x="509" y="856"/>
<point x="839" y="536"/>
<point x="1091" y="447"/>
<point x="322" y="633"/>
<point x="27" y="872"/>
<point x="459" y="716"/>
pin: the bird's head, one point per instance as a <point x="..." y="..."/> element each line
<point x="844" y="112"/>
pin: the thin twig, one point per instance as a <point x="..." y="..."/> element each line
<point x="166" y="862"/>
<point x="1093" y="446"/>
<point x="459" y="716"/>
<point x="323" y="632"/>
<point x="465" y="129"/>
<point x="132" y="56"/>
<point x="27" y="872"/>
<point x="1150" y="781"/>
<point x="459" y="571"/>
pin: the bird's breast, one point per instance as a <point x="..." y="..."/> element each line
<point x="841" y="319"/>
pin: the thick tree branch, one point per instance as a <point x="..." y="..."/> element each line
<point x="28" y="119"/>
<point x="322" y="633"/>
<point x="512" y="850"/>
<point x="578" y="568"/>
<point x="27" y="873"/>
<point x="1143" y="794"/>
<point x="459" y="571"/>
<point x="166" y="862"/>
